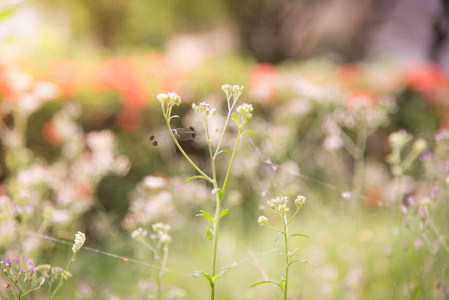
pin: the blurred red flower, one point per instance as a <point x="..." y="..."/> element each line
<point x="50" y="133"/>
<point x="67" y="74"/>
<point x="129" y="119"/>
<point x="361" y="101"/>
<point x="429" y="80"/>
<point x="262" y="81"/>
<point x="122" y="74"/>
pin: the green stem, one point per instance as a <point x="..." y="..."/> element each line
<point x="224" y="128"/>
<point x="232" y="159"/>
<point x="63" y="275"/>
<point x="185" y="155"/>
<point x="214" y="249"/>
<point x="287" y="260"/>
<point x="161" y="272"/>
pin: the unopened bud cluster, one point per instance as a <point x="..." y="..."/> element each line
<point x="204" y="110"/>
<point x="279" y="204"/>
<point x="161" y="233"/>
<point x="80" y="238"/>
<point x="399" y="139"/>
<point x="245" y="110"/>
<point x="300" y="201"/>
<point x="263" y="221"/>
<point x="170" y="98"/>
<point x="232" y="90"/>
<point x="139" y="233"/>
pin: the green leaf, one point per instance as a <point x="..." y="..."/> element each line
<point x="222" y="151"/>
<point x="221" y="273"/>
<point x="223" y="213"/>
<point x="209" y="234"/>
<point x="197" y="274"/>
<point x="267" y="281"/>
<point x="294" y="251"/>
<point x="283" y="283"/>
<point x="247" y="131"/>
<point x="206" y="215"/>
<point x="278" y="236"/>
<point x="218" y="192"/>
<point x="298" y="234"/>
<point x="195" y="177"/>
<point x="300" y="261"/>
<point x="236" y="119"/>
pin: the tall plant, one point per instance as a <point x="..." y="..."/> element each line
<point x="233" y="93"/>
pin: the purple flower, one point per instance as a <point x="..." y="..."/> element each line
<point x="447" y="164"/>
<point x="434" y="190"/>
<point x="8" y="261"/>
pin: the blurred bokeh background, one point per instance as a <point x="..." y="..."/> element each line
<point x="329" y="80"/>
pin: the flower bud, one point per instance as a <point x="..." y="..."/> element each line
<point x="263" y="221"/>
<point x="300" y="201"/>
<point x="80" y="238"/>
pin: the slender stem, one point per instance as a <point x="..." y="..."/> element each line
<point x="63" y="275"/>
<point x="161" y="272"/>
<point x="185" y="155"/>
<point x="232" y="159"/>
<point x="214" y="249"/>
<point x="287" y="258"/>
<point x="224" y="128"/>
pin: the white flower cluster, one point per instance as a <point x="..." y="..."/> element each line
<point x="80" y="238"/>
<point x="204" y="110"/>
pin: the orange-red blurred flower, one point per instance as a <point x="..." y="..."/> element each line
<point x="67" y="74"/>
<point x="428" y="80"/>
<point x="361" y="101"/>
<point x="350" y="75"/>
<point x="6" y="90"/>
<point x="50" y="133"/>
<point x="122" y="74"/>
<point x="263" y="81"/>
<point x="167" y="74"/>
<point x="129" y="119"/>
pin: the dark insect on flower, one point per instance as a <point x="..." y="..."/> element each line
<point x="181" y="134"/>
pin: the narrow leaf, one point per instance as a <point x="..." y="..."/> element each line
<point x="300" y="261"/>
<point x="209" y="234"/>
<point x="195" y="177"/>
<point x="299" y="234"/>
<point x="197" y="274"/>
<point x="294" y="251"/>
<point x="236" y="119"/>
<point x="223" y="213"/>
<point x="206" y="215"/>
<point x="247" y="131"/>
<point x="222" y="151"/>
<point x="215" y="278"/>
<point x="267" y="281"/>
<point x="174" y="116"/>
<point x="278" y="236"/>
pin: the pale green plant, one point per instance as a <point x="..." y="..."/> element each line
<point x="80" y="238"/>
<point x="233" y="93"/>
<point x="280" y="206"/>
<point x="159" y="248"/>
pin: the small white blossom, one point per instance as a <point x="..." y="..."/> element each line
<point x="80" y="238"/>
